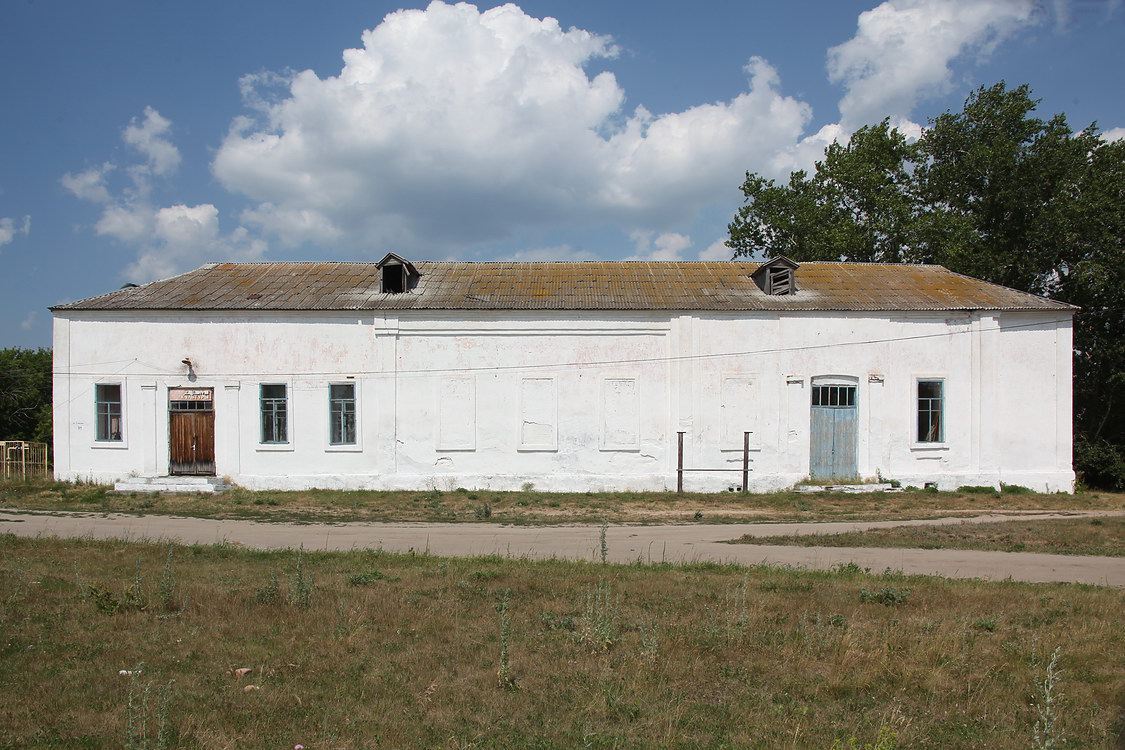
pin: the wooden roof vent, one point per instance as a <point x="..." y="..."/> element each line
<point x="777" y="276"/>
<point x="396" y="274"/>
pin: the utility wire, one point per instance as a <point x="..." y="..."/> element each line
<point x="565" y="365"/>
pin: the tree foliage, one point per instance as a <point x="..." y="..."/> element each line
<point x="991" y="191"/>
<point x="25" y="394"/>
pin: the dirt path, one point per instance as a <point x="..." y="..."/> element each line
<point x="673" y="543"/>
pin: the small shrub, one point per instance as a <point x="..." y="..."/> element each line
<point x="482" y="512"/>
<point x="134" y="597"/>
<point x="104" y="601"/>
<point x="603" y="545"/>
<point x="166" y="589"/>
<point x="559" y="622"/>
<point x="849" y="569"/>
<point x="271" y="592"/>
<point x="977" y="489"/>
<point x="483" y="576"/>
<point x="504" y="676"/>
<point x="598" y="629"/>
<point x="890" y="597"/>
<point x="138" y="706"/>
<point x="300" y="595"/>
<point x="987" y="624"/>
<point x="528" y="487"/>
<point x="698" y="515"/>
<point x="1046" y="735"/>
<point x="650" y="641"/>
<point x="885" y="740"/>
<point x="369" y="577"/>
<point x="1015" y="489"/>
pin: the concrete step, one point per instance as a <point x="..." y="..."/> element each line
<point x="209" y="485"/>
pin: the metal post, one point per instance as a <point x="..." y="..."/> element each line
<point x="679" y="463"/>
<point x="745" y="460"/>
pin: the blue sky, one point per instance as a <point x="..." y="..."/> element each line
<point x="141" y="139"/>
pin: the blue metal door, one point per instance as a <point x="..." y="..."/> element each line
<point x="833" y="431"/>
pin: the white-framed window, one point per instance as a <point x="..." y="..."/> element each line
<point x="273" y="401"/>
<point x="342" y="415"/>
<point x="539" y="414"/>
<point x="930" y="407"/>
<point x="620" y="414"/>
<point x="109" y="421"/>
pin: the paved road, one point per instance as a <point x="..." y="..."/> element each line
<point x="673" y="543"/>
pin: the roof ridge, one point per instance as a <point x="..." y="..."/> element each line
<point x="557" y="262"/>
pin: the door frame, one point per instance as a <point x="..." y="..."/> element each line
<point x="849" y="381"/>
<point x="194" y="394"/>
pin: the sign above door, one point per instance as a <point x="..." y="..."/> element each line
<point x="190" y="394"/>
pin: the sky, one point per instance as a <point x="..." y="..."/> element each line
<point x="139" y="140"/>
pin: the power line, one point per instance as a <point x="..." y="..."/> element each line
<point x="566" y="365"/>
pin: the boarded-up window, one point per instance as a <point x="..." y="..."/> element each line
<point x="619" y="414"/>
<point x="538" y="429"/>
<point x="736" y="411"/>
<point x="457" y="414"/>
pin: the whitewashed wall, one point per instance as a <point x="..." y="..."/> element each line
<point x="492" y="399"/>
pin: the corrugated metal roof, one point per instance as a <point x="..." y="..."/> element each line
<point x="593" y="285"/>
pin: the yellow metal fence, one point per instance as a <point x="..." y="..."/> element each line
<point x="23" y="460"/>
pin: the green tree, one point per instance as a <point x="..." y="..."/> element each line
<point x="993" y="192"/>
<point x="25" y="394"/>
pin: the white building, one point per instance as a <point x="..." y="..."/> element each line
<point x="568" y="376"/>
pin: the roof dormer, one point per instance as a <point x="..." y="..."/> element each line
<point x="776" y="276"/>
<point x="396" y="274"/>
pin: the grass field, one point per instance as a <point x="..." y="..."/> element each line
<point x="1077" y="536"/>
<point x="352" y="650"/>
<point x="532" y="507"/>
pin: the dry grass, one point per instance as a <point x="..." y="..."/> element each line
<point x="402" y="651"/>
<point x="533" y="507"/>
<point x="1078" y="536"/>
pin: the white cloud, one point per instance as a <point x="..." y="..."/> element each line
<point x="1113" y="134"/>
<point x="451" y="126"/>
<point x="90" y="184"/>
<point x="10" y="229"/>
<point x="665" y="246"/>
<point x="183" y="236"/>
<point x="168" y="239"/>
<point x="150" y="138"/>
<point x="717" y="250"/>
<point x="902" y="51"/>
<point x="29" y="322"/>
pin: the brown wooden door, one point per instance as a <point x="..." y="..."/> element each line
<point x="192" y="442"/>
